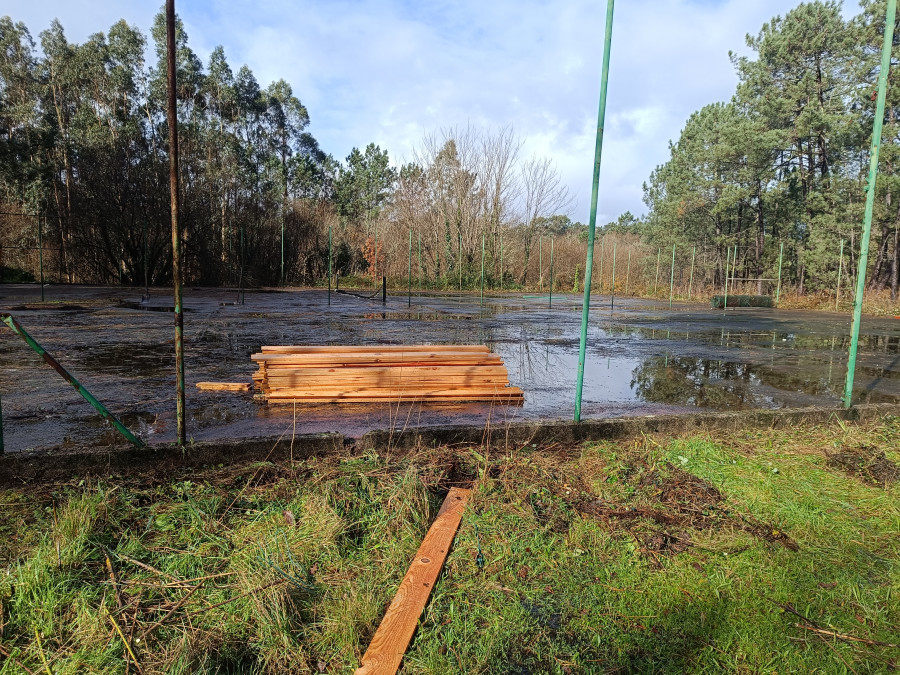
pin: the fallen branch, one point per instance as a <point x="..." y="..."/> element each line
<point x="849" y="638"/>
<point x="16" y="661"/>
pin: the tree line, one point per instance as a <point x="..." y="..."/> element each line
<point x="784" y="162"/>
<point x="83" y="147"/>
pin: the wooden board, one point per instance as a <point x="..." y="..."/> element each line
<point x="392" y="638"/>
<point x="345" y="349"/>
<point x="223" y="386"/>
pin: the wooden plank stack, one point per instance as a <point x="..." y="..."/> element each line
<point x="382" y="373"/>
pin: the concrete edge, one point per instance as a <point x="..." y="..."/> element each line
<point x="63" y="464"/>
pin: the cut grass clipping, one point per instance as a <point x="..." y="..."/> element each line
<point x="764" y="551"/>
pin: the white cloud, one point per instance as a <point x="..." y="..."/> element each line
<point x="388" y="71"/>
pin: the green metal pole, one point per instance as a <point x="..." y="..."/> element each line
<point x="482" y="270"/>
<point x="541" y="263"/>
<point x="459" y="253"/>
<point x="146" y="266"/>
<point x="600" y="271"/>
<point x="419" y="234"/>
<point x="501" y="262"/>
<point x="10" y="321"/>
<point x="329" y="264"/>
<point x="656" y="283"/>
<point x="727" y="260"/>
<point x="409" y="281"/>
<point x="672" y="279"/>
<point x="691" y="283"/>
<point x="612" y="286"/>
<point x="592" y="223"/>
<point x="628" y="273"/>
<point x="778" y="288"/>
<point x="870" y="197"/>
<point x="837" y="291"/>
<point x="551" y="273"/>
<point x="282" y="248"/>
<point x="176" y="227"/>
<point x="41" y="251"/>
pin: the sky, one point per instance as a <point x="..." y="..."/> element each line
<point x="391" y="71"/>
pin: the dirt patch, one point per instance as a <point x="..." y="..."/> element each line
<point x="674" y="501"/>
<point x="867" y="463"/>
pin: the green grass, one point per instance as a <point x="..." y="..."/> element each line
<point x="669" y="555"/>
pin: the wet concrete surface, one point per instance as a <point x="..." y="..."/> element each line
<point x="642" y="359"/>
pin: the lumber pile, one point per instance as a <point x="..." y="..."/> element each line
<point x="439" y="373"/>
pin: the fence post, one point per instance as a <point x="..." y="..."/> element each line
<point x="691" y="284"/>
<point x="420" y="259"/>
<point x="870" y="197"/>
<point x="550" y="304"/>
<point x="778" y="289"/>
<point x="612" y="288"/>
<point x="541" y="263"/>
<point x="41" y="251"/>
<point x="172" y="116"/>
<point x="672" y="280"/>
<point x="600" y="287"/>
<point x="329" y="264"/>
<point x="837" y="292"/>
<point x="409" y="280"/>
<point x="482" y="270"/>
<point x="727" y="260"/>
<point x="628" y="273"/>
<point x="16" y="328"/>
<point x="656" y="283"/>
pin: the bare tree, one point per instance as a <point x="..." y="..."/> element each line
<point x="543" y="195"/>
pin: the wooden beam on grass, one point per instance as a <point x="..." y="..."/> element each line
<point x="387" y="648"/>
<point x="223" y="386"/>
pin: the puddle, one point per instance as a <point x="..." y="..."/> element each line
<point x="641" y="358"/>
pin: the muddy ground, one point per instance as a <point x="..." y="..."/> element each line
<point x="642" y="358"/>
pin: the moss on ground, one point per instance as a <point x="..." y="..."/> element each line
<point x="746" y="552"/>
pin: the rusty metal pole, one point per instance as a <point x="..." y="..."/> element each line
<point x="172" y="116"/>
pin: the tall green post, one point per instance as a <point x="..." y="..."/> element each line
<point x="146" y="266"/>
<point x="592" y="223"/>
<point x="420" y="259"/>
<point x="17" y="328"/>
<point x="550" y="303"/>
<point x="612" y="285"/>
<point x="482" y="270"/>
<point x="672" y="278"/>
<point x="329" y="264"/>
<point x="459" y="255"/>
<point x="282" y="248"/>
<point x="691" y="283"/>
<point x="501" y="262"/>
<point x="172" y="116"/>
<point x="870" y="197"/>
<point x="600" y="271"/>
<point x="837" y="290"/>
<point x="541" y="263"/>
<point x="41" y="251"/>
<point x="778" y="288"/>
<point x="409" y="279"/>
<point x="656" y="283"/>
<point x="628" y="273"/>
<point x="727" y="260"/>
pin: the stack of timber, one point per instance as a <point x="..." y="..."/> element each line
<point x="381" y="373"/>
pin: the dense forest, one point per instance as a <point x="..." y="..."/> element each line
<point x="785" y="161"/>
<point x="779" y="167"/>
<point x="83" y="147"/>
